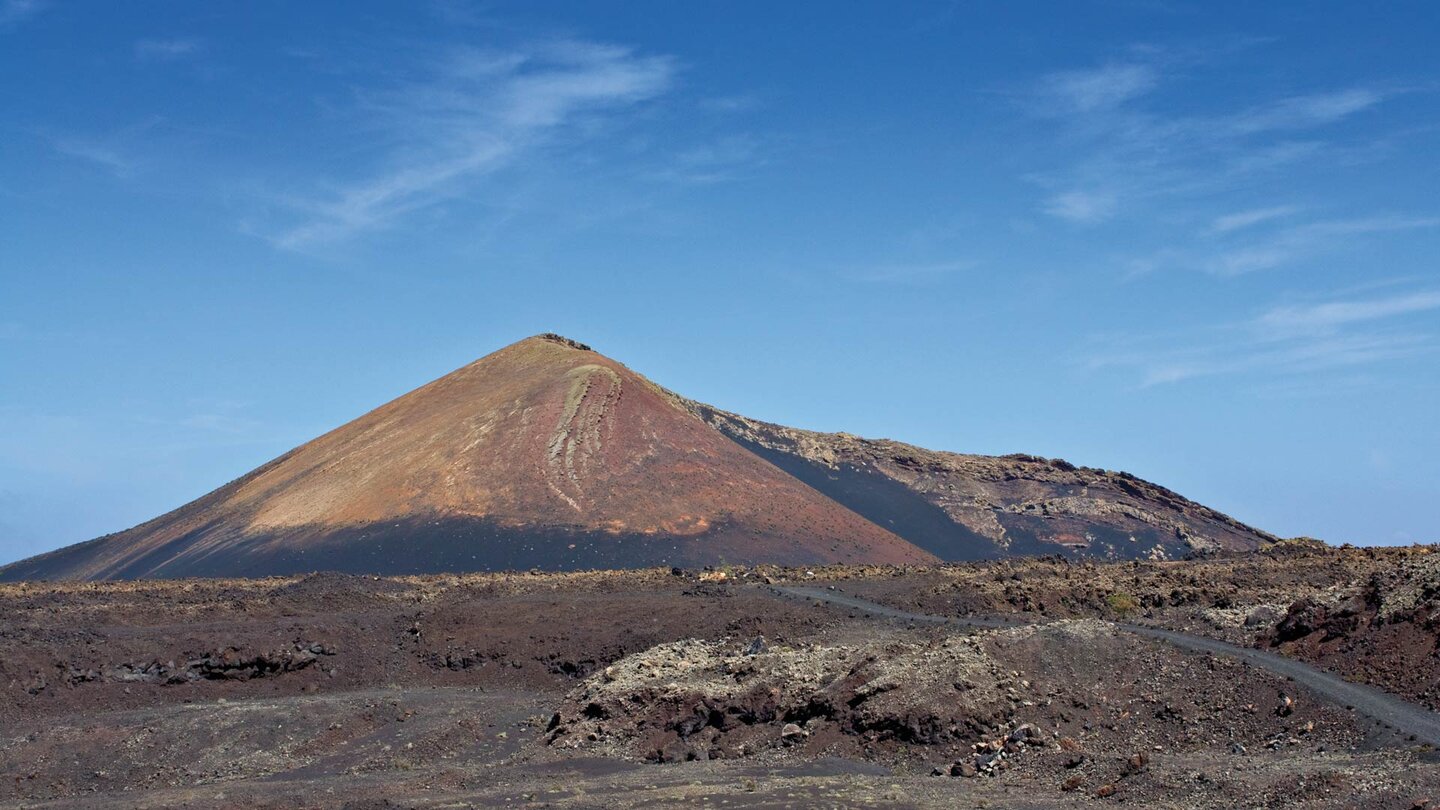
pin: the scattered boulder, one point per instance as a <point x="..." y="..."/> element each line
<point x="1028" y="734"/>
<point x="1262" y="616"/>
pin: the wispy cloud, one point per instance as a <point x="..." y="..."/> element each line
<point x="1102" y="88"/>
<point x="1286" y="340"/>
<point x="114" y="152"/>
<point x="167" y="49"/>
<point x="1292" y="244"/>
<point x="1254" y="216"/>
<point x="15" y="11"/>
<point x="729" y="104"/>
<point x="1238" y="244"/>
<point x="1298" y="357"/>
<point x="722" y="159"/>
<point x="1082" y="206"/>
<point x="474" y="113"/>
<point x="1329" y="315"/>
<point x="1120" y="150"/>
<point x="1301" y="112"/>
<point x="100" y="154"/>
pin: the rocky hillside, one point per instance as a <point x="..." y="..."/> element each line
<point x="962" y="507"/>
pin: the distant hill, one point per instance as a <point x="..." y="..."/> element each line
<point x="549" y="455"/>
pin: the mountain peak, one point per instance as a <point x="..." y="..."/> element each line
<point x="552" y="337"/>
<point x="534" y="456"/>
<point x="546" y="454"/>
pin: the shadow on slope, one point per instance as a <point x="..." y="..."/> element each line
<point x="419" y="545"/>
<point x="887" y="503"/>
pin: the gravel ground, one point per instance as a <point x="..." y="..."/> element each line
<point x="655" y="688"/>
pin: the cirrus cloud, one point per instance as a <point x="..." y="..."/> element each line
<point x="473" y="113"/>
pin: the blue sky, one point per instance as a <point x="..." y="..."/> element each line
<point x="1193" y="241"/>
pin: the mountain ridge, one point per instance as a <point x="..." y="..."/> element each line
<point x="1057" y="490"/>
<point x="547" y="454"/>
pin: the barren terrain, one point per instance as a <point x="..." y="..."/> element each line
<point x="744" y="687"/>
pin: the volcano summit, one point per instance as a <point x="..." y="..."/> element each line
<point x="549" y="455"/>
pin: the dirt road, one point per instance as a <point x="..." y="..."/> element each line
<point x="1407" y="722"/>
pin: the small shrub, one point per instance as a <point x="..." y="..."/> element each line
<point x="1122" y="603"/>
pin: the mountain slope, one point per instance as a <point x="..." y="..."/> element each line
<point x="962" y="507"/>
<point x="546" y="454"/>
<point x="543" y="454"/>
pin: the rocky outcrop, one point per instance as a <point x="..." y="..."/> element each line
<point x="1384" y="631"/>
<point x="229" y="664"/>
<point x="695" y="699"/>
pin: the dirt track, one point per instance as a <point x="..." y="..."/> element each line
<point x="330" y="691"/>
<point x="1412" y="723"/>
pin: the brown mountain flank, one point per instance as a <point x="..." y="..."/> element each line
<point x="549" y="455"/>
<point x="962" y="506"/>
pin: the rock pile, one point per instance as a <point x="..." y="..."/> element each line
<point x="992" y="756"/>
<point x="697" y="699"/>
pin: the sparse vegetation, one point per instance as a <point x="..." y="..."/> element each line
<point x="1122" y="603"/>
<point x="467" y="676"/>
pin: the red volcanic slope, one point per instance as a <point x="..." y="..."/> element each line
<point x="548" y="455"/>
<point x="543" y="454"/>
